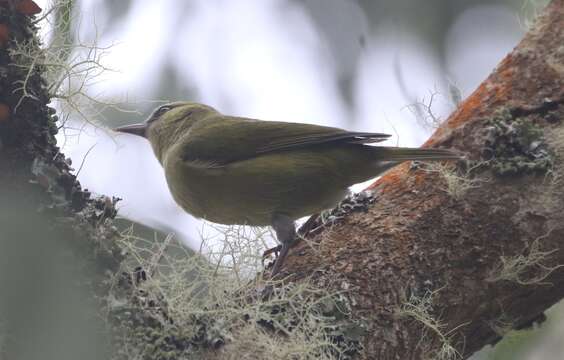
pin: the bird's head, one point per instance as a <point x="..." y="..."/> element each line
<point x="168" y="123"/>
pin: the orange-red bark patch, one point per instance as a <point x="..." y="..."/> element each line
<point x="28" y="7"/>
<point x="4" y="112"/>
<point x="4" y="34"/>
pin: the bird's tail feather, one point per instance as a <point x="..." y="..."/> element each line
<point x="403" y="154"/>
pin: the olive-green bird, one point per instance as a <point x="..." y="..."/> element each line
<point x="234" y="170"/>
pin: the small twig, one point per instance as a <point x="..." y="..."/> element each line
<point x="84" y="159"/>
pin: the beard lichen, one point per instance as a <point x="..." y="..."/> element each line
<point x="169" y="304"/>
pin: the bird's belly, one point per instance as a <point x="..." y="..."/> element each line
<point x="252" y="191"/>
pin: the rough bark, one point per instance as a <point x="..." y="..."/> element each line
<point x="57" y="243"/>
<point x="420" y="262"/>
<point x="428" y="267"/>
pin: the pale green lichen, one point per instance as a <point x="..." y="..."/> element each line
<point x="420" y="309"/>
<point x="458" y="179"/>
<point x="527" y="268"/>
<point x="515" y="145"/>
<point x="186" y="305"/>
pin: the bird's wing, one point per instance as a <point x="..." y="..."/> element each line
<point x="221" y="140"/>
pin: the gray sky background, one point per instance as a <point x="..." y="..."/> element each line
<point x="317" y="62"/>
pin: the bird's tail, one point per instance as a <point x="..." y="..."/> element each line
<point x="404" y="154"/>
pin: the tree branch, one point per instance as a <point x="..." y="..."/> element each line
<point x="436" y="261"/>
<point x="430" y="273"/>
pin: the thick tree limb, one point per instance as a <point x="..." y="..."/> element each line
<point x="440" y="260"/>
<point x="57" y="245"/>
<point x="429" y="267"/>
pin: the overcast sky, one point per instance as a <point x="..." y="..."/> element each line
<point x="269" y="60"/>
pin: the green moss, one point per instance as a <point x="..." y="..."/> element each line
<point x="515" y="145"/>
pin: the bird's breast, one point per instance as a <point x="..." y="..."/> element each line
<point x="253" y="190"/>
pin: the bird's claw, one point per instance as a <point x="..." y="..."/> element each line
<point x="268" y="252"/>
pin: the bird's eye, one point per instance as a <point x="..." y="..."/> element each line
<point x="160" y="111"/>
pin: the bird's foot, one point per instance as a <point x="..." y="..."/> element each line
<point x="268" y="252"/>
<point x="280" y="260"/>
<point x="286" y="234"/>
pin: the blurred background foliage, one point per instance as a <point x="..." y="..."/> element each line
<point x="371" y="65"/>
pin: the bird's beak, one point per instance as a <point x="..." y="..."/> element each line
<point x="135" y="129"/>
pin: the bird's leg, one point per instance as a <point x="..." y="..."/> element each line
<point x="267" y="252"/>
<point x="286" y="234"/>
